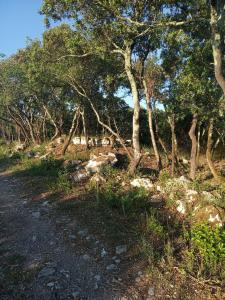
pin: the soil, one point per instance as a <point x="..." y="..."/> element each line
<point x="52" y="248"/>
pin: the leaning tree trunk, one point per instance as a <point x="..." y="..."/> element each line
<point x="161" y="142"/>
<point x="217" y="177"/>
<point x="73" y="128"/>
<point x="136" y="114"/>
<point x="192" y="135"/>
<point x="150" y="122"/>
<point x="57" y="131"/>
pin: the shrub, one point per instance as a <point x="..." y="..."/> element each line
<point x="207" y="251"/>
<point x="62" y="183"/>
<point x="128" y="202"/>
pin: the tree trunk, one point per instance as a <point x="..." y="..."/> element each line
<point x="136" y="114"/>
<point x="163" y="145"/>
<point x="198" y="146"/>
<point x="173" y="144"/>
<point x="84" y="127"/>
<point x="193" y="138"/>
<point x="217" y="16"/>
<point x="217" y="177"/>
<point x="73" y="128"/>
<point x="57" y="131"/>
<point x="150" y="122"/>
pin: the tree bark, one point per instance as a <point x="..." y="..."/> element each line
<point x="57" y="131"/>
<point x="193" y="138"/>
<point x="84" y="127"/>
<point x="150" y="122"/>
<point x="198" y="145"/>
<point x="73" y="128"/>
<point x="136" y="114"/>
<point x="217" y="19"/>
<point x="173" y="143"/>
<point x="217" y="177"/>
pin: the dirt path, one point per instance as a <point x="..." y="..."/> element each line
<point x="36" y="262"/>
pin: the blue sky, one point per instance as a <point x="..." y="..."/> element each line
<point x="19" y="19"/>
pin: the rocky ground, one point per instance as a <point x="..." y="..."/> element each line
<point x="46" y="255"/>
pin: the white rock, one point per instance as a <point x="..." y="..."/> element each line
<point x="181" y="207"/>
<point x="76" y="140"/>
<point x="105" y="142"/>
<point x="142" y="182"/>
<point x="97" y="277"/>
<point x="191" y="195"/>
<point x="86" y="257"/>
<point x="121" y="249"/>
<point x="79" y="176"/>
<point x="111" y="267"/>
<point x="96" y="163"/>
<point x="36" y="214"/>
<point x="20" y="147"/>
<point x="151" y="291"/>
<point x="103" y="253"/>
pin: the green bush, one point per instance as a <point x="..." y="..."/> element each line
<point x="207" y="251"/>
<point x="128" y="202"/>
<point x="62" y="183"/>
<point x="49" y="167"/>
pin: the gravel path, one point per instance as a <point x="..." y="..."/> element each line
<point x="37" y="262"/>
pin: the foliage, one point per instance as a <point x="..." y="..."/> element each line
<point x="206" y="255"/>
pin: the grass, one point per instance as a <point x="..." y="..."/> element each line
<point x="126" y="214"/>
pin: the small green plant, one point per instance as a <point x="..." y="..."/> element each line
<point x="62" y="183"/>
<point x="155" y="227"/>
<point x="147" y="250"/>
<point x="164" y="176"/>
<point x="207" y="250"/>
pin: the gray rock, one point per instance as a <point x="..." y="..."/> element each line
<point x="83" y="233"/>
<point x="45" y="272"/>
<point x="103" y="253"/>
<point x="121" y="249"/>
<point x="151" y="291"/>
<point x="86" y="257"/>
<point x="111" y="267"/>
<point x="72" y="236"/>
<point x="36" y="214"/>
<point x="34" y="238"/>
<point x="50" y="284"/>
<point x="75" y="295"/>
<point x="97" y="277"/>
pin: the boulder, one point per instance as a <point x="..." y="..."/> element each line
<point x="76" y="140"/>
<point x="83" y="141"/>
<point x="210" y="214"/>
<point x="30" y="154"/>
<point x="72" y="164"/>
<point x="97" y="179"/>
<point x="20" y="147"/>
<point x="142" y="183"/>
<point x="105" y="142"/>
<point x="60" y="140"/>
<point x="97" y="162"/>
<point x="79" y="176"/>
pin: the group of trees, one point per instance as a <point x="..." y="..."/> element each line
<point x="167" y="53"/>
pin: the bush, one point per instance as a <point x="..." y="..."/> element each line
<point x="128" y="202"/>
<point x="62" y="183"/>
<point x="206" y="255"/>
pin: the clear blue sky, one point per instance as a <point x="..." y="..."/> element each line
<point x="19" y="19"/>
